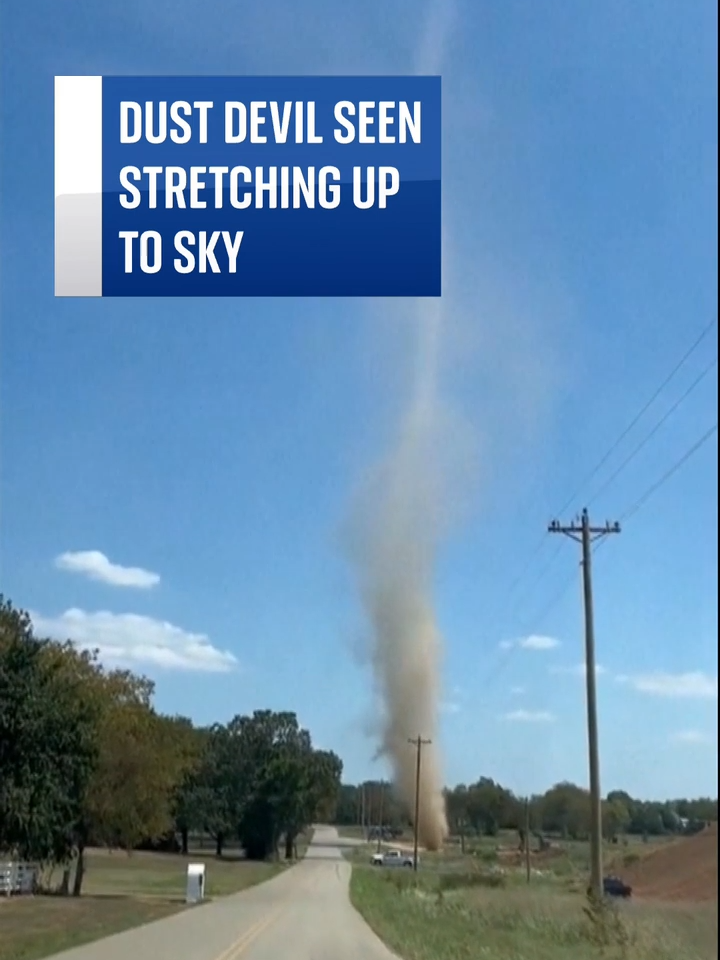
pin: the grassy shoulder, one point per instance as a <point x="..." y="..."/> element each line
<point x="158" y="874"/>
<point x="351" y="833"/>
<point x="36" y="927"/>
<point x="468" y="916"/>
<point x="120" y="891"/>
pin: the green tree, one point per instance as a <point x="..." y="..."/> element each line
<point x="142" y="759"/>
<point x="273" y="782"/>
<point x="615" y="817"/>
<point x="313" y="790"/>
<point x="190" y="796"/>
<point x="273" y="757"/>
<point x="565" y="809"/>
<point x="48" y="739"/>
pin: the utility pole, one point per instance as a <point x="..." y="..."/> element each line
<point x="380" y="826"/>
<point x="362" y="808"/>
<point x="586" y="535"/>
<point x="527" y="839"/>
<point x="418" y="742"/>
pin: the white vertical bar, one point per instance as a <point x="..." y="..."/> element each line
<point x="78" y="186"/>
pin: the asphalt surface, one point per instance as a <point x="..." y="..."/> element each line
<point x="303" y="914"/>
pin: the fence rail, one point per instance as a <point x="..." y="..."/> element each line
<point x="17" y="877"/>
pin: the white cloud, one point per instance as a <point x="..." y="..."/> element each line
<point x="578" y="670"/>
<point x="96" y="566"/>
<point x="690" y="736"/>
<point x="533" y="642"/>
<point x="691" y="686"/>
<point x="528" y="716"/>
<point x="517" y="690"/>
<point x="130" y="639"/>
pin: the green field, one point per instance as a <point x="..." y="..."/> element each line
<point x="565" y="859"/>
<point x="35" y="927"/>
<point x="481" y="906"/>
<point x="120" y="891"/>
<point x="351" y="833"/>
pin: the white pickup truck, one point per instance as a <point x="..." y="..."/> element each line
<point x="392" y="858"/>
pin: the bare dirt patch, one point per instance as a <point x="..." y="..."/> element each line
<point x="686" y="871"/>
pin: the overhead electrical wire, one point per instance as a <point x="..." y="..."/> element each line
<point x="639" y="415"/>
<point x="653" y="488"/>
<point x="643" y="443"/>
<point x="603" y="460"/>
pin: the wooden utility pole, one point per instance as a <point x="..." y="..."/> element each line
<point x="527" y="839"/>
<point x="418" y="742"/>
<point x="586" y="535"/>
<point x="380" y="825"/>
<point x="363" y="809"/>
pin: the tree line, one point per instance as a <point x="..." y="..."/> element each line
<point x="486" y="807"/>
<point x="86" y="760"/>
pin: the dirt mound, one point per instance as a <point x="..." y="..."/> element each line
<point x="683" y="871"/>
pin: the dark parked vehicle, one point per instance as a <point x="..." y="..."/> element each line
<point x="615" y="887"/>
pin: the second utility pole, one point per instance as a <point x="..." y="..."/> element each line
<point x="419" y="744"/>
<point x="382" y="812"/>
<point x="586" y="535"/>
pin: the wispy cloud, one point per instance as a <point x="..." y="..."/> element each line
<point x="577" y="670"/>
<point x="529" y="716"/>
<point x="96" y="566"/>
<point x="517" y="691"/>
<point x="692" y="686"/>
<point x="691" y="736"/>
<point x="128" y="639"/>
<point x="533" y="642"/>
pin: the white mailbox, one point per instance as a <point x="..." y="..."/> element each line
<point x="195" y="883"/>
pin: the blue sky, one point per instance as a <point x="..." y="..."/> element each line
<point x="216" y="444"/>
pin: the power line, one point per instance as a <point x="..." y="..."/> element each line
<point x="604" y="459"/>
<point x="538" y="619"/>
<point x="543" y="570"/>
<point x="641" y="501"/>
<point x="541" y="543"/>
<point x="643" y="443"/>
<point x="528" y="563"/>
<point x="556" y="598"/>
<point x="601" y="463"/>
<point x="625" y="463"/>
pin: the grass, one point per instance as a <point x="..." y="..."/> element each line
<point x="351" y="832"/>
<point x="35" y="927"/>
<point x="120" y="892"/>
<point x="567" y="859"/>
<point x="479" y="905"/>
<point x="157" y="874"/>
<point x="482" y="915"/>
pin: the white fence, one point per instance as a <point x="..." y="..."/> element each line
<point x="17" y="877"/>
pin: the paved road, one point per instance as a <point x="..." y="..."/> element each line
<point x="304" y="914"/>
